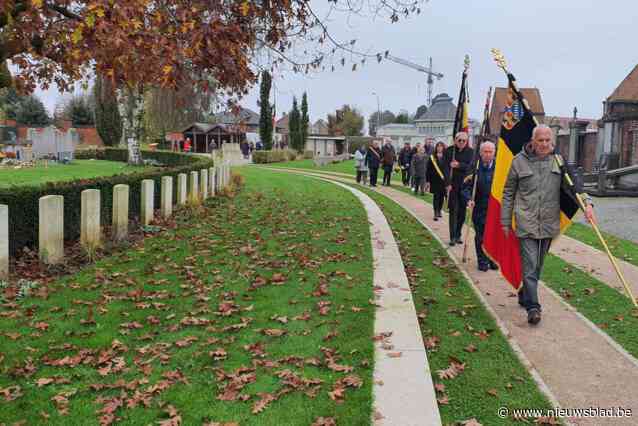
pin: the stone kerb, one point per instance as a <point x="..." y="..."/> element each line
<point x="4" y="241"/>
<point x="203" y="174"/>
<point x="166" y="202"/>
<point x="193" y="190"/>
<point x="148" y="196"/>
<point x="211" y="177"/>
<point x="90" y="230"/>
<point x="120" y="211"/>
<point x="51" y="229"/>
<point x="181" y="189"/>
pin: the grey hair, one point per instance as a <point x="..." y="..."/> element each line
<point x="490" y="143"/>
<point x="461" y="134"/>
<point x="539" y="128"/>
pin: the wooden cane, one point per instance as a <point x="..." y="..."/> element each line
<point x="467" y="231"/>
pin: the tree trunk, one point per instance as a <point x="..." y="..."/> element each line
<point x="132" y="112"/>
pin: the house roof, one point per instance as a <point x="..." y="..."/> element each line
<point x="564" y="122"/>
<point x="282" y="123"/>
<point x="244" y="116"/>
<point x="628" y="88"/>
<point x="442" y="109"/>
<point x="499" y="100"/>
<point x="198" y="127"/>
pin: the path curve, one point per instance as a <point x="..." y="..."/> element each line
<point x="403" y="392"/>
<point x="578" y="362"/>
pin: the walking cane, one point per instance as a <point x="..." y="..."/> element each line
<point x="467" y="232"/>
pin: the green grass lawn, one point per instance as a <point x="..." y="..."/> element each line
<point x="255" y="310"/>
<point x="78" y="169"/>
<point x="457" y="328"/>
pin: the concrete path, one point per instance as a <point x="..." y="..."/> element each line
<point x="403" y="390"/>
<point x="580" y="364"/>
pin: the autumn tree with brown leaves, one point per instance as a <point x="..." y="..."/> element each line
<point x="161" y="43"/>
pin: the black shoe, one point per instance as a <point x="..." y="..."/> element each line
<point x="452" y="242"/>
<point x="436" y="218"/>
<point x="458" y="241"/>
<point x="483" y="268"/>
<point x="493" y="266"/>
<point x="533" y="316"/>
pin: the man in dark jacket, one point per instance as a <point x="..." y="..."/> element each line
<point x="483" y="173"/>
<point x="457" y="163"/>
<point x="373" y="160"/>
<point x="388" y="159"/>
<point x="531" y="196"/>
<point x="405" y="160"/>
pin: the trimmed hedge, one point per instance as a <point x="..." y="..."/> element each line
<point x="23" y="201"/>
<point x="275" y="156"/>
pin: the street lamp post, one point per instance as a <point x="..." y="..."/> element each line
<point x="378" y="113"/>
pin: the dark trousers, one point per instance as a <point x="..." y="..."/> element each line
<point x="457" y="214"/>
<point x="479" y="228"/>
<point x="439" y="198"/>
<point x="405" y="176"/>
<point x="533" y="253"/>
<point x="387" y="174"/>
<point x="362" y="175"/>
<point x="374" y="171"/>
<point x="419" y="184"/>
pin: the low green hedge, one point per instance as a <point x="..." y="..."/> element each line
<point x="23" y="201"/>
<point x="275" y="156"/>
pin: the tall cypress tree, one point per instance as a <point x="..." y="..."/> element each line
<point x="305" y="122"/>
<point x="265" y="111"/>
<point x="108" y="121"/>
<point x="294" y="126"/>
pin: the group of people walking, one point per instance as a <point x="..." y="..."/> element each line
<point x="463" y="177"/>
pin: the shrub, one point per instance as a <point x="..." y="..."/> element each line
<point x="275" y="156"/>
<point x="308" y="155"/>
<point x="23" y="201"/>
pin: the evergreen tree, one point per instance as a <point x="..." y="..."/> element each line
<point x="294" y="126"/>
<point x="108" y="121"/>
<point x="31" y="111"/>
<point x="80" y="111"/>
<point x="265" y="111"/>
<point x="305" y="122"/>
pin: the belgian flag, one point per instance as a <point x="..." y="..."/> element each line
<point x="516" y="131"/>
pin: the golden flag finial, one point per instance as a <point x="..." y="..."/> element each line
<point x="499" y="59"/>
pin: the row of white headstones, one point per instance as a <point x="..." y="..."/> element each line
<point x="200" y="186"/>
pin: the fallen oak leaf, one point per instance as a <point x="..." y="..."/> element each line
<point x="259" y="406"/>
<point x="274" y="332"/>
<point x="324" y="421"/>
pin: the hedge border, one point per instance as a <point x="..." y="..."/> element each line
<point x="23" y="201"/>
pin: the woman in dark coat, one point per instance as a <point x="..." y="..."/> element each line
<point x="435" y="178"/>
<point x="373" y="160"/>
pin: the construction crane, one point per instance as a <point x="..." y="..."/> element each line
<point x="426" y="70"/>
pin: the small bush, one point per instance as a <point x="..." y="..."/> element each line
<point x="23" y="201"/>
<point x="275" y="156"/>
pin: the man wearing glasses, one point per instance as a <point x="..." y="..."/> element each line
<point x="457" y="164"/>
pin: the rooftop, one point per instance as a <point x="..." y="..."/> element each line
<point x="442" y="109"/>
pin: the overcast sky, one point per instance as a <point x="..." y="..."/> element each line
<point x="575" y="51"/>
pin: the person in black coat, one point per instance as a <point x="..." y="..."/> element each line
<point x="388" y="157"/>
<point x="373" y="161"/>
<point x="435" y="178"/>
<point x="405" y="161"/>
<point x="458" y="163"/>
<point x="483" y="173"/>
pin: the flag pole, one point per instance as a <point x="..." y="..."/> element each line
<point x="500" y="61"/>
<point x="484" y="127"/>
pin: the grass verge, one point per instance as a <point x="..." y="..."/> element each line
<point x="253" y="310"/>
<point x="458" y="330"/>
<point x="608" y="308"/>
<point x="77" y="169"/>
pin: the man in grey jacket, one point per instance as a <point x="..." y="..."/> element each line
<point x="532" y="195"/>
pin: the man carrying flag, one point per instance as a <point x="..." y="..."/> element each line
<point x="530" y="201"/>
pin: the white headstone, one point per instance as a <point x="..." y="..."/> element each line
<point x="193" y="191"/>
<point x="51" y="229"/>
<point x="211" y="177"/>
<point x="167" y="196"/>
<point x="203" y="174"/>
<point x="148" y="198"/>
<point x="120" y="211"/>
<point x="4" y="241"/>
<point x="181" y="189"/>
<point x="90" y="218"/>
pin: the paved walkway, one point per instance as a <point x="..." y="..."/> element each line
<point x="581" y="366"/>
<point x="403" y="390"/>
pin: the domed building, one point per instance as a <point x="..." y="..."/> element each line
<point x="438" y="121"/>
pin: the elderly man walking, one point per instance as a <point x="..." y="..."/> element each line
<point x="477" y="199"/>
<point x="457" y="164"/>
<point x="388" y="159"/>
<point x="532" y="196"/>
